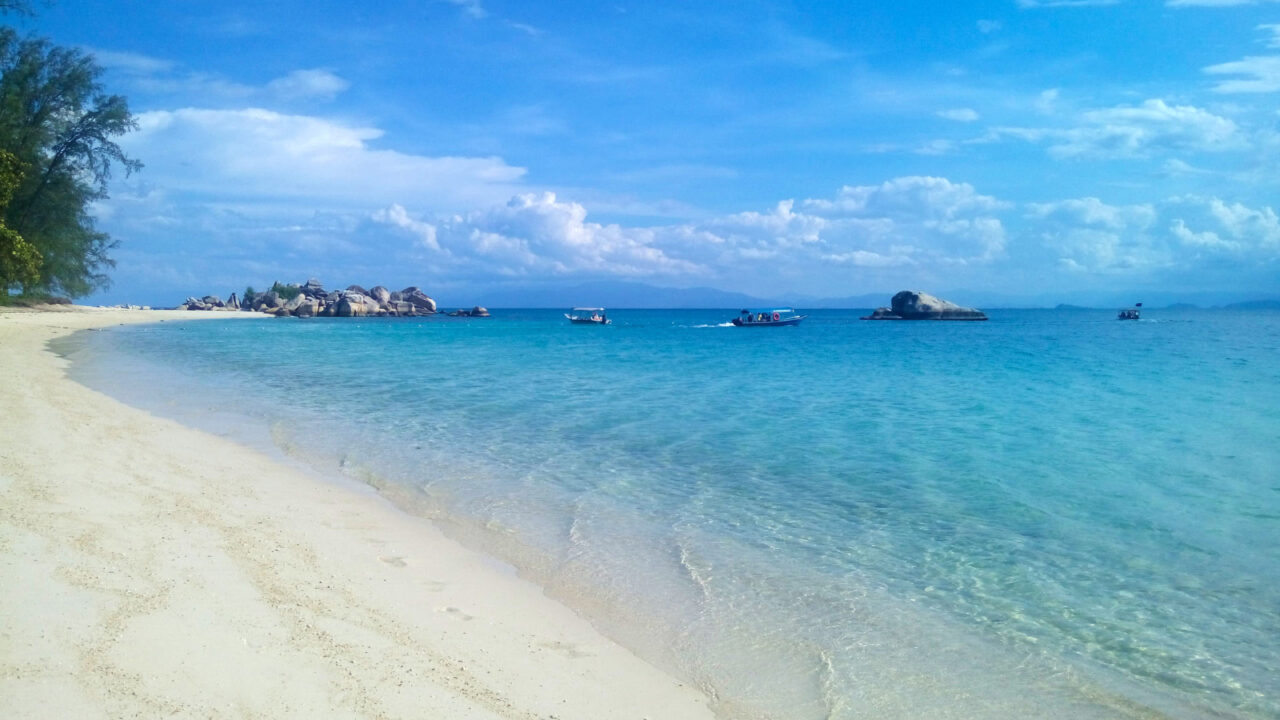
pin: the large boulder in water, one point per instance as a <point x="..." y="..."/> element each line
<point x="381" y="294"/>
<point x="882" y="313"/>
<point x="418" y="299"/>
<point x="916" y="305"/>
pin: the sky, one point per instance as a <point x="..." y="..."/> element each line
<point x="1014" y="151"/>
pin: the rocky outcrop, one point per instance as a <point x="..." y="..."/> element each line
<point x="208" y="302"/>
<point x="916" y="305"/>
<point x="883" y="313"/>
<point x="355" y="304"/>
<point x="269" y="301"/>
<point x="312" y="300"/>
<point x="418" y="299"/>
<point x="313" y="288"/>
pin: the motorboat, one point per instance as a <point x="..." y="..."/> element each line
<point x="588" y="316"/>
<point x="1132" y="313"/>
<point x="768" y="318"/>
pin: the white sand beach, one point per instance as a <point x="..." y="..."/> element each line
<point x="152" y="570"/>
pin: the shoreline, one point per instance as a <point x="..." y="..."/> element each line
<point x="156" y="569"/>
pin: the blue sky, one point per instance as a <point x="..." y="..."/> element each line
<point x="1029" y="150"/>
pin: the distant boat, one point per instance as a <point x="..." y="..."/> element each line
<point x="768" y="318"/>
<point x="588" y="316"/>
<point x="1132" y="313"/>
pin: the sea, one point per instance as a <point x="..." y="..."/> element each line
<point x="1052" y="514"/>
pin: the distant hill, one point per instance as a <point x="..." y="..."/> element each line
<point x="1065" y="306"/>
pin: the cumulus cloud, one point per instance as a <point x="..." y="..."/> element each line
<point x="914" y="222"/>
<point x="396" y="216"/>
<point x="256" y="156"/>
<point x="1134" y="131"/>
<point x="1089" y="235"/>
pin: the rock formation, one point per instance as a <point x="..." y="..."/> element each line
<point x="312" y="300"/>
<point x="916" y="305"/>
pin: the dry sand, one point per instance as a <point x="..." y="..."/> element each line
<point x="151" y="570"/>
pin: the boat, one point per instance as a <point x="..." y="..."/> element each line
<point x="588" y="316"/>
<point x="768" y="318"/>
<point x="1132" y="313"/>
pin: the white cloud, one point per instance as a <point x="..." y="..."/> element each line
<point x="395" y="215"/>
<point x="913" y="222"/>
<point x="300" y="84"/>
<point x="160" y="76"/>
<point x="958" y="114"/>
<point x="1274" y="30"/>
<point x="1087" y="235"/>
<point x="535" y="234"/>
<point x="1092" y="212"/>
<point x="1134" y="131"/>
<point x="1046" y="102"/>
<point x="986" y="27"/>
<point x="130" y="62"/>
<point x="1262" y="75"/>
<point x="301" y="164"/>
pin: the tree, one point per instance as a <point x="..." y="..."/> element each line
<point x="19" y="260"/>
<point x="57" y="121"/>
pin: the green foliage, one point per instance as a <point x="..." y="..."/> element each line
<point x="19" y="260"/>
<point x="286" y="292"/>
<point x="57" y="121"/>
<point x="249" y="294"/>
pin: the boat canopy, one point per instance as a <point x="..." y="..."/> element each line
<point x="587" y="309"/>
<point x="770" y="311"/>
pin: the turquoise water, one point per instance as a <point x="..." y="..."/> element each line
<point x="1051" y="514"/>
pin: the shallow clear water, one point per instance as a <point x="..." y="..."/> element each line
<point x="1051" y="514"/>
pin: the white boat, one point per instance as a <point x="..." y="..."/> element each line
<point x="768" y="318"/>
<point x="588" y="316"/>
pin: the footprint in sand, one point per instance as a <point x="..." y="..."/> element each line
<point x="455" y="612"/>
<point x="568" y="649"/>
<point x="393" y="560"/>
